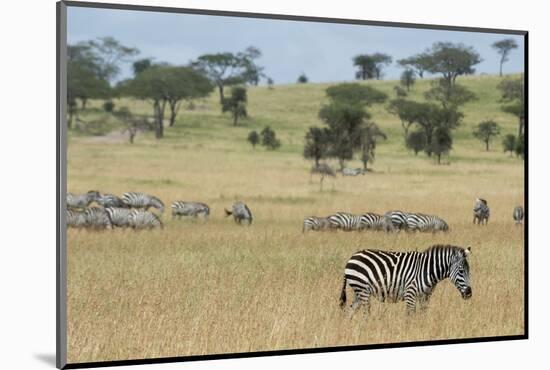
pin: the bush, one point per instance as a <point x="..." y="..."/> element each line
<point x="109" y="106"/>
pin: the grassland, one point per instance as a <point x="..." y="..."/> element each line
<point x="199" y="288"/>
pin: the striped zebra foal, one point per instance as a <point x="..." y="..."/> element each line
<point x="76" y="219"/>
<point x="97" y="218"/>
<point x="316" y="224"/>
<point x="81" y="201"/>
<point x="345" y="221"/>
<point x="518" y="215"/>
<point x="142" y="219"/>
<point x="481" y="212"/>
<point x="240" y="212"/>
<point x="405" y="276"/>
<point x="119" y="217"/>
<point x="425" y="223"/>
<point x="190" y="209"/>
<point x="142" y="201"/>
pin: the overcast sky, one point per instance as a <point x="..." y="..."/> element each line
<point x="322" y="51"/>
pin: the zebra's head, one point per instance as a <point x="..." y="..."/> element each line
<point x="460" y="272"/>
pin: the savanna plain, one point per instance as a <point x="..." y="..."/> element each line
<point x="214" y="287"/>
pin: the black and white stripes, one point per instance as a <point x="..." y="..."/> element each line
<point x="404" y="276"/>
<point x="142" y="201"/>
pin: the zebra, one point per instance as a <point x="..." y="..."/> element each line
<point x="405" y="276"/>
<point x="81" y="201"/>
<point x="345" y="221"/>
<point x="346" y="171"/>
<point x="193" y="209"/>
<point x="316" y="223"/>
<point x="97" y="218"/>
<point x="240" y="212"/>
<point x="518" y="215"/>
<point x="374" y="221"/>
<point x="76" y="219"/>
<point x="396" y="220"/>
<point x="142" y="219"/>
<point x="119" y="216"/>
<point x="142" y="200"/>
<point x="110" y="200"/>
<point x="481" y="212"/>
<point x="422" y="222"/>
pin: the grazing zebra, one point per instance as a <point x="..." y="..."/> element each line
<point x="193" y="209"/>
<point x="110" y="200"/>
<point x="518" y="215"/>
<point x="374" y="221"/>
<point x="345" y="221"/>
<point x="396" y="220"/>
<point x="422" y="222"/>
<point x="405" y="276"/>
<point x="119" y="216"/>
<point x="76" y="219"/>
<point x="142" y="200"/>
<point x="240" y="212"/>
<point x="316" y="223"/>
<point x="142" y="219"/>
<point x="481" y="212"/>
<point x="352" y="171"/>
<point x="97" y="218"/>
<point x="81" y="201"/>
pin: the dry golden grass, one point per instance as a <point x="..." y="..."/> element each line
<point x="201" y="288"/>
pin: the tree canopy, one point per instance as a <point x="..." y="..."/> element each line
<point x="504" y="47"/>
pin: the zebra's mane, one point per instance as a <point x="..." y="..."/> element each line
<point x="455" y="249"/>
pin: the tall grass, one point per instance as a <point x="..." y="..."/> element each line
<point x="200" y="288"/>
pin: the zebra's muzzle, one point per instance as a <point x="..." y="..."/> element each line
<point x="467" y="294"/>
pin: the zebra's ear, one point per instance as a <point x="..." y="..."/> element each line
<point x="467" y="252"/>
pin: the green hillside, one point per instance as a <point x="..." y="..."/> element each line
<point x="291" y="109"/>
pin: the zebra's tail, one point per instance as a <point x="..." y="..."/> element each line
<point x="227" y="213"/>
<point x="343" y="294"/>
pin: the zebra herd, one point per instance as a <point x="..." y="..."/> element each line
<point x="392" y="221"/>
<point x="395" y="221"/>
<point x="132" y="210"/>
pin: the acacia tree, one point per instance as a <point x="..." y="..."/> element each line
<point x="417" y="63"/>
<point x="141" y="65"/>
<point x="269" y="139"/>
<point x="442" y="142"/>
<point x="407" y="78"/>
<point x="317" y="144"/>
<point x="225" y="69"/>
<point x="236" y="103"/>
<point x="509" y="143"/>
<point x="370" y="65"/>
<point x="416" y="141"/>
<point x="485" y="131"/>
<point x="504" y="47"/>
<point x="348" y="123"/>
<point x="85" y="79"/>
<point x="408" y="111"/>
<point x="514" y="99"/>
<point x="253" y="138"/>
<point x="450" y="60"/>
<point x="150" y="85"/>
<point x="369" y="135"/>
<point x="111" y="53"/>
<point x="183" y="84"/>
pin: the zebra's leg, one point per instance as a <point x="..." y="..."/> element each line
<point x="410" y="300"/>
